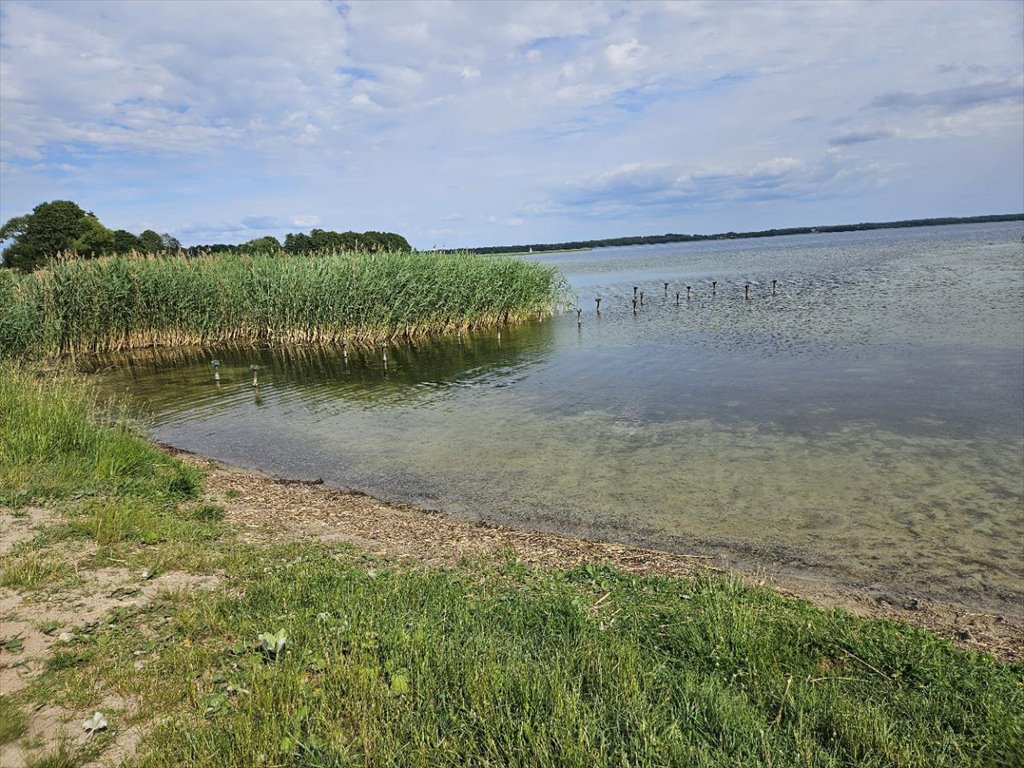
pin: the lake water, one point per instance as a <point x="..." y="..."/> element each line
<point x="864" y="425"/>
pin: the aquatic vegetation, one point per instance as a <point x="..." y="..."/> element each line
<point x="80" y="306"/>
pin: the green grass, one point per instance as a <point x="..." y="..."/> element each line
<point x="27" y="570"/>
<point x="492" y="663"/>
<point x="51" y="447"/>
<point x="13" y="722"/>
<point x="98" y="305"/>
<point x="62" y="757"/>
<point x="501" y="664"/>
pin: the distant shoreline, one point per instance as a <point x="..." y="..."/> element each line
<point x="580" y="245"/>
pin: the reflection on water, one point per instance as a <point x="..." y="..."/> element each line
<point x="181" y="384"/>
<point x="865" y="423"/>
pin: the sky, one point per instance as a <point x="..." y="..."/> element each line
<point x="462" y="124"/>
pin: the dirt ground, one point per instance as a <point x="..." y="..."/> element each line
<point x="43" y="620"/>
<point x="269" y="508"/>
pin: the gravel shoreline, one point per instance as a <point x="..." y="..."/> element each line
<point x="269" y="508"/>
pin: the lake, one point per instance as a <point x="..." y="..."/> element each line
<point x="864" y="424"/>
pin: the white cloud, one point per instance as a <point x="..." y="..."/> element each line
<point x="442" y="232"/>
<point x="381" y="113"/>
<point x="305" y="220"/>
<point x="777" y="166"/>
<point x="263" y="222"/>
<point x="863" y="135"/>
<point x="418" y="32"/>
<point x="630" y="188"/>
<point x="624" y="55"/>
<point x="363" y="101"/>
<point x="155" y="76"/>
<point x="308" y="135"/>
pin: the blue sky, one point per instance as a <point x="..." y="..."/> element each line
<point x="461" y="124"/>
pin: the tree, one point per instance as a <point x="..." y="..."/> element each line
<point x="126" y="242"/>
<point x="385" y="241"/>
<point x="151" y="242"/>
<point x="323" y="240"/>
<point x="170" y="244"/>
<point x="19" y="254"/>
<point x="298" y="242"/>
<point x="398" y="243"/>
<point x="326" y="240"/>
<point x="261" y="245"/>
<point x="95" y="240"/>
<point x="154" y="242"/>
<point x="51" y="228"/>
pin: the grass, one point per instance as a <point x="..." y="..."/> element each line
<point x="493" y="663"/>
<point x="51" y="447"/>
<point x="30" y="571"/>
<point x="13" y="722"/>
<point x="511" y="666"/>
<point x="100" y="305"/>
<point x="62" y="757"/>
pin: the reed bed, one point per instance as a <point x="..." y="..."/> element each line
<point x="79" y="306"/>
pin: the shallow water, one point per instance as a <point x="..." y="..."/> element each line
<point x="865" y="424"/>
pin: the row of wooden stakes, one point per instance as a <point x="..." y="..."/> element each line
<point x="638" y="296"/>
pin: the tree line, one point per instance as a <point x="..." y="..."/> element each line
<point x="62" y="226"/>
<point x="317" y="241"/>
<point x="573" y="245"/>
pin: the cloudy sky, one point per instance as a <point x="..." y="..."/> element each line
<point x="460" y="124"/>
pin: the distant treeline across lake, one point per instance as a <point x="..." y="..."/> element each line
<point x="677" y="238"/>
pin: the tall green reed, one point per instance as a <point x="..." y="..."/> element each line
<point x="99" y="305"/>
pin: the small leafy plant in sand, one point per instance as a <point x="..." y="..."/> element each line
<point x="272" y="644"/>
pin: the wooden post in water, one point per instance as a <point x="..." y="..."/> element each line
<point x="677" y="298"/>
<point x="746" y="292"/>
<point x="216" y="370"/>
<point x="666" y="289"/>
<point x="634" y="292"/>
<point x="688" y="289"/>
<point x="634" y="306"/>
<point x="598" y="300"/>
<point x="344" y="351"/>
<point x="579" y="316"/>
<point x="384" y="354"/>
<point x="714" y="287"/>
<point x="773" y="286"/>
<point x="255" y="375"/>
<point x="641" y="298"/>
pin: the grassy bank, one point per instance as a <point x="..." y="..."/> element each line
<point x="83" y="306"/>
<point x="492" y="663"/>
